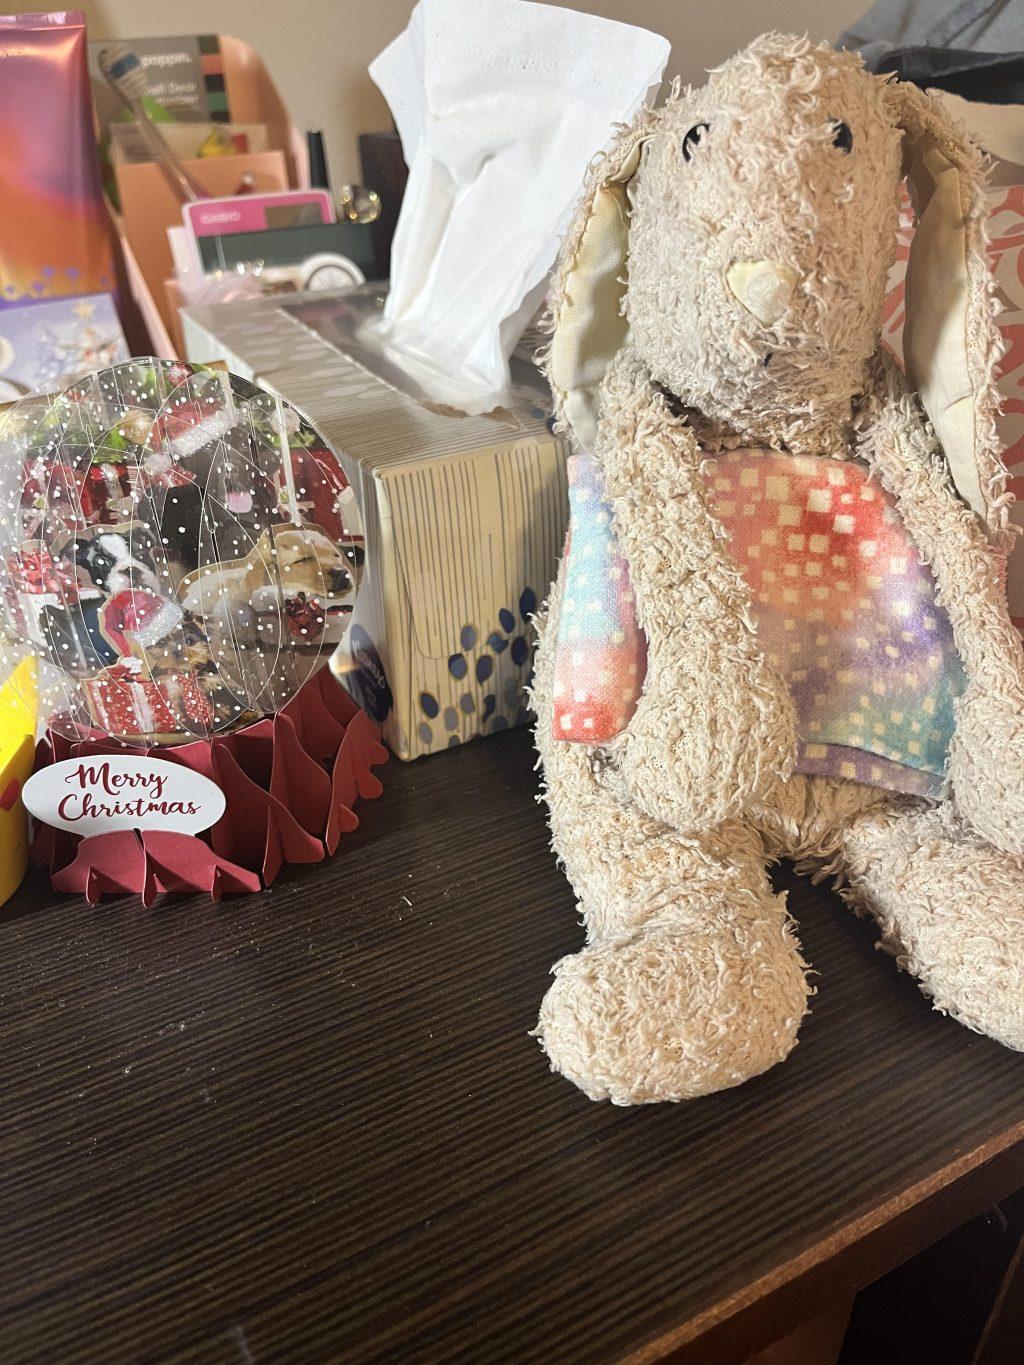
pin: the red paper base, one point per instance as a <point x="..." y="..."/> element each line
<point x="290" y="781"/>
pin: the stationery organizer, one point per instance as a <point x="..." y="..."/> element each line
<point x="148" y="206"/>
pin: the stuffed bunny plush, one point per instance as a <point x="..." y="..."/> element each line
<point x="779" y="629"/>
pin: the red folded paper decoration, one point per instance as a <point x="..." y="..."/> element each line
<point x="291" y="781"/>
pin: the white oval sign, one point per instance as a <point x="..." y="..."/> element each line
<point x="122" y="791"/>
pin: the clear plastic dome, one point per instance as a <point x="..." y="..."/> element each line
<point x="179" y="551"/>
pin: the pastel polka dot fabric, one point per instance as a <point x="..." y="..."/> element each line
<point x="601" y="652"/>
<point x="845" y="610"/>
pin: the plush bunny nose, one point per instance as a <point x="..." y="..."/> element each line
<point x="763" y="287"/>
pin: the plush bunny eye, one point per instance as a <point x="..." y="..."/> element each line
<point x="695" y="136"/>
<point x="842" y="137"/>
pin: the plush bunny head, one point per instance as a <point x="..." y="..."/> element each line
<point x="763" y="225"/>
<point x="740" y="237"/>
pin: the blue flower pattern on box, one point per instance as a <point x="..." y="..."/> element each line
<point x="473" y="665"/>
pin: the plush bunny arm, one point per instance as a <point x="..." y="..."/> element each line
<point x="987" y="755"/>
<point x="715" y="727"/>
<point x="968" y="570"/>
<point x="658" y="1005"/>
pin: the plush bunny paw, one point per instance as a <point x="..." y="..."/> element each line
<point x="676" y="1011"/>
<point x="987" y="768"/>
<point x="709" y="747"/>
<point x="951" y="911"/>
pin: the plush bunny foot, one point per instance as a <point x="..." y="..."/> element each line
<point x="951" y="910"/>
<point x="683" y="1006"/>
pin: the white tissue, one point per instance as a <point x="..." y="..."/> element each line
<point x="501" y="105"/>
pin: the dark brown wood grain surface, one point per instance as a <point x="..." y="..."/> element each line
<point x="312" y="1124"/>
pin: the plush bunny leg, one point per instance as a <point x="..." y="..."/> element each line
<point x="715" y="727"/>
<point x="951" y="910"/>
<point x="987" y="755"/>
<point x="692" y="980"/>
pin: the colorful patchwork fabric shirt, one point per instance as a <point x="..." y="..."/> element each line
<point x="845" y="611"/>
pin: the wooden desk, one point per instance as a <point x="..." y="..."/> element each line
<point x="311" y="1124"/>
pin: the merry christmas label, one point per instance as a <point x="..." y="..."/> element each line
<point x="102" y="793"/>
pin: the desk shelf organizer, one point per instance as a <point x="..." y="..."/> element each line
<point x="179" y="556"/>
<point x="148" y="206"/>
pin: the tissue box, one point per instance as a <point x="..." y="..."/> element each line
<point x="463" y="517"/>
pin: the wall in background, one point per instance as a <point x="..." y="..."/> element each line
<point x="318" y="50"/>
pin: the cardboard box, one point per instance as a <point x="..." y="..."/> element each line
<point x="464" y="517"/>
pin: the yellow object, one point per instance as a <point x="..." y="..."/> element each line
<point x="216" y="144"/>
<point x="18" y="706"/>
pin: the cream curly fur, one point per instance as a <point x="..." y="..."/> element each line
<point x="692" y="979"/>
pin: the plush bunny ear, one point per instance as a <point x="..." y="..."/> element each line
<point x="586" y="302"/>
<point x="951" y="344"/>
